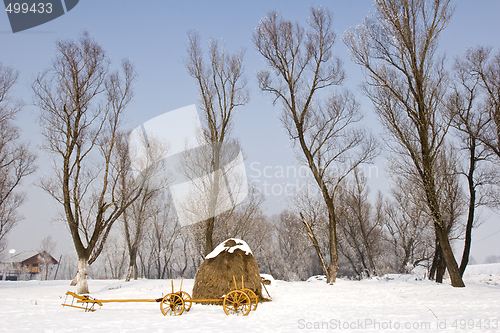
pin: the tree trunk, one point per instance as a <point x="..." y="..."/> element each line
<point x="318" y="250"/>
<point x="130" y="270"/>
<point x="214" y="197"/>
<point x="333" y="268"/>
<point x="209" y="230"/>
<point x="404" y="263"/>
<point x="451" y="263"/>
<point x="132" y="265"/>
<point x="432" y="271"/>
<point x="472" y="206"/>
<point x="82" y="286"/>
<point x="468" y="239"/>
<point x="441" y="269"/>
<point x="427" y="175"/>
<point x="73" y="282"/>
<point x="438" y="267"/>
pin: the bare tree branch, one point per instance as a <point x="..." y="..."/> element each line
<point x="407" y="82"/>
<point x="81" y="104"/>
<point x="304" y="64"/>
<point x="16" y="160"/>
<point x="222" y="89"/>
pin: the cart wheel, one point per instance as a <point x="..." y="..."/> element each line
<point x="187" y="300"/>
<point x="253" y="297"/>
<point x="237" y="302"/>
<point x="172" y="304"/>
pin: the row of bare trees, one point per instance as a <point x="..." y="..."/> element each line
<point x="417" y="104"/>
<point x="16" y="160"/>
<point x="425" y="110"/>
<point x="82" y="103"/>
<point x="390" y="233"/>
<point x="302" y="64"/>
<point x="408" y="84"/>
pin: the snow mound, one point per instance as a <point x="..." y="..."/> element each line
<point x="270" y="278"/>
<point x="317" y="278"/>
<point x="230" y="245"/>
<point x="482" y="269"/>
<point x="488" y="279"/>
<point x="488" y="274"/>
<point x="401" y="277"/>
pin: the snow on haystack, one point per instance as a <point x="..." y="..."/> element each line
<point x="230" y="247"/>
<point x="231" y="258"/>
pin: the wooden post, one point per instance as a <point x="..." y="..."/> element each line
<point x="58" y="264"/>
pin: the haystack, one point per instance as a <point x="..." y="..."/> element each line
<point x="231" y="258"/>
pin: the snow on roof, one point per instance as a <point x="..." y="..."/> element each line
<point x="240" y="244"/>
<point x="20" y="257"/>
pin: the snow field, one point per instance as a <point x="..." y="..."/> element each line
<point x="394" y="303"/>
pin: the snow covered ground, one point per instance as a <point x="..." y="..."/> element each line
<point x="394" y="303"/>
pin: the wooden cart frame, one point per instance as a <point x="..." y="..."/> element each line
<point x="236" y="302"/>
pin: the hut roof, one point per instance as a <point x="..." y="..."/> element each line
<point x="31" y="256"/>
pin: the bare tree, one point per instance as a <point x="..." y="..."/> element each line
<point x="245" y="221"/>
<point x="82" y="103"/>
<point x="492" y="259"/>
<point x="190" y="250"/>
<point x="113" y="260"/>
<point x="222" y="88"/>
<point x="452" y="203"/>
<point x="46" y="248"/>
<point x="408" y="183"/>
<point x="409" y="230"/>
<point x="302" y="64"/>
<point x="163" y="236"/>
<point x="292" y="257"/>
<point x="483" y="69"/>
<point x="135" y="225"/>
<point x="16" y="161"/>
<point x="471" y="108"/>
<point x="407" y="220"/>
<point x="137" y="217"/>
<point x="406" y="81"/>
<point x="185" y="263"/>
<point x="360" y="230"/>
<point x="309" y="205"/>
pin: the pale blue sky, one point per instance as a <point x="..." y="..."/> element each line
<point x="153" y="35"/>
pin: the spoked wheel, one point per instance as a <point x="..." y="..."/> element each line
<point x="172" y="305"/>
<point x="187" y="300"/>
<point x="237" y="302"/>
<point x="253" y="297"/>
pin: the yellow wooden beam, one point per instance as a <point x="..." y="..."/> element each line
<point x="114" y="300"/>
<point x="78" y="307"/>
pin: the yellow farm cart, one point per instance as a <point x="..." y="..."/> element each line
<point x="236" y="302"/>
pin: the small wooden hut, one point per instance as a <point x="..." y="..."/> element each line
<point x="26" y="265"/>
